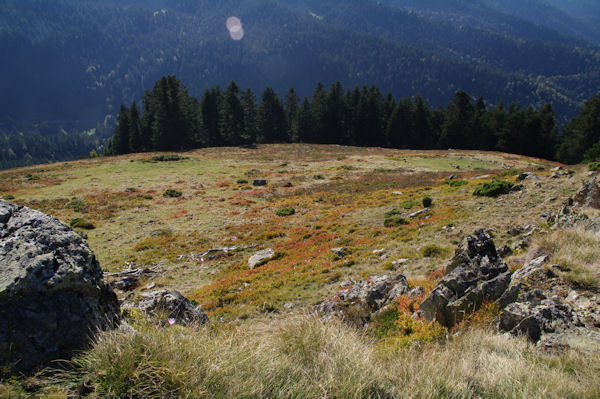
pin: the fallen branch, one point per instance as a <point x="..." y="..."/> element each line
<point x="201" y="256"/>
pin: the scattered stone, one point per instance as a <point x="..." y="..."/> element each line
<point x="505" y="251"/>
<point x="475" y="274"/>
<point x="289" y="306"/>
<point x="416" y="292"/>
<point x="527" y="176"/>
<point x="399" y="262"/>
<point x="261" y="257"/>
<point x="480" y="177"/>
<point x="378" y="251"/>
<point x="419" y="213"/>
<point x="150" y="286"/>
<point x="588" y="195"/>
<point x="171" y="304"/>
<point x="125" y="284"/>
<point x="517" y="188"/>
<point x="340" y="252"/>
<point x="397" y="193"/>
<point x="259" y="183"/>
<point x="52" y="294"/>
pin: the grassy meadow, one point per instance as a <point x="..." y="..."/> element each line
<point x="263" y="341"/>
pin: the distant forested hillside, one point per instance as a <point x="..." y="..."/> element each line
<point x="78" y="60"/>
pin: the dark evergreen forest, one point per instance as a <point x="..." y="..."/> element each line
<point x="172" y="120"/>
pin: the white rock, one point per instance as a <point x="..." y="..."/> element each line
<point x="260" y="256"/>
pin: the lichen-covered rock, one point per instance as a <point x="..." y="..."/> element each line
<point x="171" y="304"/>
<point x="475" y="274"/>
<point x="52" y="294"/>
<point x="261" y="257"/>
<point x="357" y="300"/>
<point x="535" y="314"/>
<point x="588" y="195"/>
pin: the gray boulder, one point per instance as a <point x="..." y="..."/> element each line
<point x="52" y="294"/>
<point x="172" y="305"/>
<point x="357" y="300"/>
<point x="535" y="314"/>
<point x="474" y="275"/>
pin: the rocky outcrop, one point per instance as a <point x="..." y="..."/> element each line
<point x="536" y="314"/>
<point x="475" y="274"/>
<point x="357" y="300"/>
<point x="172" y="305"/>
<point x="588" y="195"/>
<point x="52" y="294"/>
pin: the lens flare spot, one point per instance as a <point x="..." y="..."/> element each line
<point x="234" y="26"/>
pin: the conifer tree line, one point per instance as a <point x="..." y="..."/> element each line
<point x="172" y="120"/>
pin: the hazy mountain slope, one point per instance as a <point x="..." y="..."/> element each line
<point x="79" y="60"/>
<point x="555" y="16"/>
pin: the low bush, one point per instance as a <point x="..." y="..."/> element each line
<point x="394" y="221"/>
<point x="80" y="223"/>
<point x="167" y="158"/>
<point x="493" y="188"/>
<point x="242" y="181"/>
<point x="432" y="251"/>
<point x="319" y="177"/>
<point x="393" y="212"/>
<point x="8" y="197"/>
<point x="285" y="211"/>
<point x="456" y="183"/>
<point x="593" y="166"/>
<point x="172" y="193"/>
<point x="147" y="197"/>
<point x="427" y="201"/>
<point x="77" y="205"/>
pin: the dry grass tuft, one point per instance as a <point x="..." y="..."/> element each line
<point x="305" y="357"/>
<point x="577" y="253"/>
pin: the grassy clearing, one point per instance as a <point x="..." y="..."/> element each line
<point x="123" y="198"/>
<point x="577" y="253"/>
<point x="304" y="357"/>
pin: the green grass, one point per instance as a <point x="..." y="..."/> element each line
<point x="409" y="204"/>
